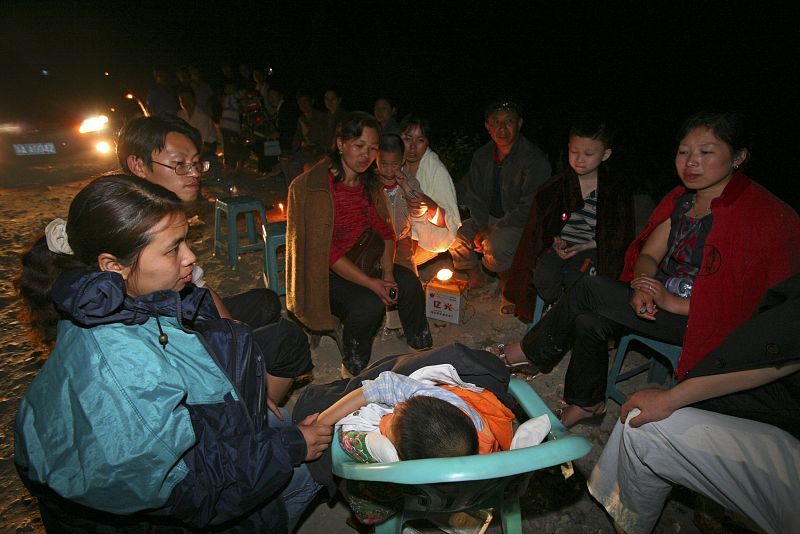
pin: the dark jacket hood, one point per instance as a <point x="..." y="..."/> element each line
<point x="91" y="298"/>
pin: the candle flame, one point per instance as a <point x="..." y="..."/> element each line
<point x="444" y="274"/>
<point x="280" y="205"/>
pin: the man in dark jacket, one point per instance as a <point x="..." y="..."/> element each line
<point x="503" y="176"/>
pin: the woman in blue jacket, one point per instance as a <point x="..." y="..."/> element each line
<point x="151" y="412"/>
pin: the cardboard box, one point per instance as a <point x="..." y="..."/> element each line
<point x="444" y="301"/>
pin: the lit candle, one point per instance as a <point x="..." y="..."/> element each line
<point x="280" y="205"/>
<point x="444" y="274"/>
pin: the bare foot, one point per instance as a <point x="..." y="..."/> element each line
<point x="511" y="354"/>
<point x="573" y="414"/>
<point x="514" y="354"/>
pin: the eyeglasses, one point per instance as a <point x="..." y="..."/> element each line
<point x="182" y="169"/>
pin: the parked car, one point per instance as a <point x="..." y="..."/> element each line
<point x="47" y="118"/>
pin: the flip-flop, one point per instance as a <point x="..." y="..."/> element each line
<point x="499" y="350"/>
<point x="506" y="306"/>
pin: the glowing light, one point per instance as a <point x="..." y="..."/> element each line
<point x="93" y="124"/>
<point x="105" y="73"/>
<point x="444" y="275"/>
<point x="104" y="147"/>
<point x="131" y="96"/>
<point x="10" y="128"/>
<point x="280" y="206"/>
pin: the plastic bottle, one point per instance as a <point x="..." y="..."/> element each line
<point x="679" y="286"/>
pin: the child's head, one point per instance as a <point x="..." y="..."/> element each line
<point x="427" y="427"/>
<point x="589" y="147"/>
<point x="390" y="157"/>
<point x="116" y="223"/>
<point x="384" y="109"/>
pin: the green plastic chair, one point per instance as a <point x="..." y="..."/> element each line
<point x="448" y="485"/>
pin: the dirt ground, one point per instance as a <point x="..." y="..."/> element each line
<point x="551" y="505"/>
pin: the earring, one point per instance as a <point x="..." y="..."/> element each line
<point x="735" y="166"/>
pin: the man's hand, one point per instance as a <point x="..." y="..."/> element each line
<point x="317" y="436"/>
<point x="654" y="405"/>
<point x="479" y="238"/>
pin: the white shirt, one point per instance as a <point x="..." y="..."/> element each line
<point x="437" y="184"/>
<point x="203" y="123"/>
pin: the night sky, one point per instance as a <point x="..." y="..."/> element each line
<point x="643" y="65"/>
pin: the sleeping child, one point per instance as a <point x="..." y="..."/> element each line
<point x="430" y="414"/>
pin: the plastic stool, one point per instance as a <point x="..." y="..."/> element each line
<point x="274" y="237"/>
<point x="232" y="207"/>
<point x="538" y="311"/>
<point x="657" y="371"/>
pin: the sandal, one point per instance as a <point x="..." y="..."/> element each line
<point x="572" y="414"/>
<point x="499" y="350"/>
<point x="506" y="306"/>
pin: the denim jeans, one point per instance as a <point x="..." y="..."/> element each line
<point x="302" y="487"/>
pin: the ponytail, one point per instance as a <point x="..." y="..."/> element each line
<point x="40" y="269"/>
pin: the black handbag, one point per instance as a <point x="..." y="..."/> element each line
<point x="367" y="253"/>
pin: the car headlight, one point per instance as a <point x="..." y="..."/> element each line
<point x="104" y="147"/>
<point x="94" y="124"/>
<point x="10" y="128"/>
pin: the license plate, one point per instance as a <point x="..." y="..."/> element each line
<point x="34" y="149"/>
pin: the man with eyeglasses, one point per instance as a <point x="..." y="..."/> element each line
<point x="501" y="181"/>
<point x="165" y="150"/>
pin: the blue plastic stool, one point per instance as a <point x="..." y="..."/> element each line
<point x="446" y="485"/>
<point x="538" y="310"/>
<point x="657" y="371"/>
<point x="232" y="207"/>
<point x="274" y="236"/>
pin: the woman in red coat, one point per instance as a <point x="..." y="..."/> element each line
<point x="711" y="248"/>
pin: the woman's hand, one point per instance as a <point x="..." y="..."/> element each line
<point x="317" y="435"/>
<point x="382" y="288"/>
<point x="644" y="300"/>
<point x="663" y="298"/>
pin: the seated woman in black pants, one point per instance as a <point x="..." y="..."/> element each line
<point x="329" y="208"/>
<point x="710" y="249"/>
